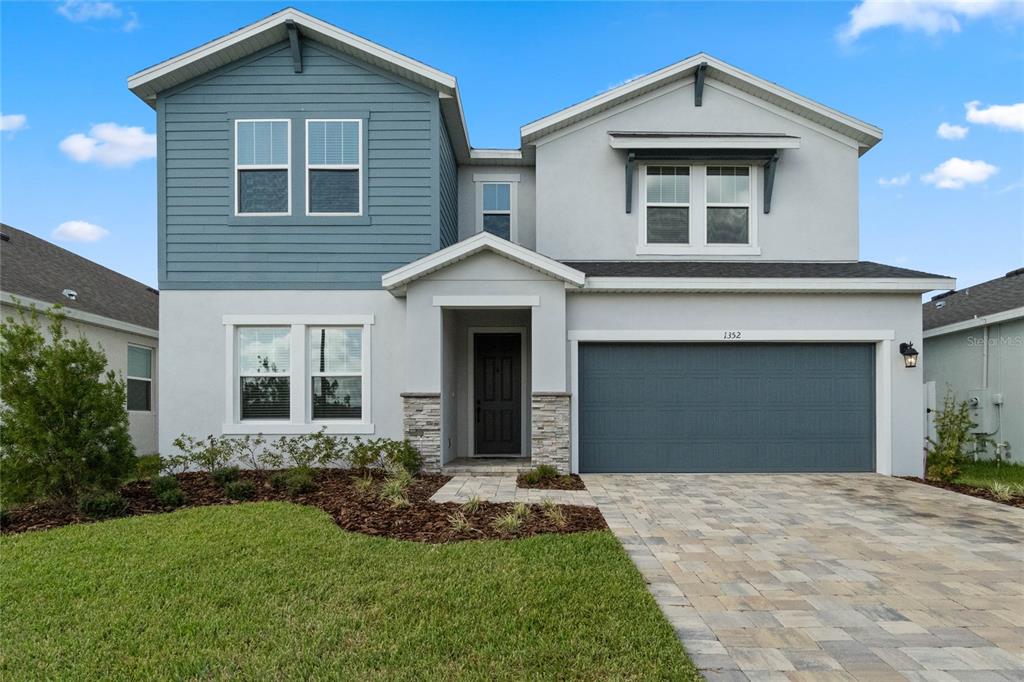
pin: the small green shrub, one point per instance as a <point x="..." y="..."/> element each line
<point x="953" y="425"/>
<point x="242" y="489"/>
<point x="249" y="449"/>
<point x="163" y="483"/>
<point x="170" y="497"/>
<point x="542" y="472"/>
<point x="471" y="505"/>
<point x="148" y="466"/>
<point x="209" y="454"/>
<point x="225" y="475"/>
<point x="403" y="454"/>
<point x="383" y="452"/>
<point x="102" y="505"/>
<point x="298" y="481"/>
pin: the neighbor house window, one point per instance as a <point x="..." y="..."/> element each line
<point x="728" y="205"/>
<point x="668" y="205"/>
<point x="336" y="372"/>
<point x="264" y="367"/>
<point x="334" y="167"/>
<point x="497" y="209"/>
<point x="262" y="158"/>
<point x="140" y="379"/>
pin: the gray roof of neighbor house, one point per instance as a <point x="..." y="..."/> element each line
<point x="987" y="298"/>
<point x="793" y="269"/>
<point x="31" y="267"/>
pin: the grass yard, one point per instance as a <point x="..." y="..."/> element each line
<point x="983" y="473"/>
<point x="275" y="590"/>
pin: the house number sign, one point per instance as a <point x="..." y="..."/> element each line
<point x="731" y="336"/>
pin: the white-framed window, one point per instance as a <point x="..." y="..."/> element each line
<point x="289" y="374"/>
<point x="336" y="372"/>
<point x="728" y="204"/>
<point x="697" y="209"/>
<point x="334" y="167"/>
<point x="263" y="167"/>
<point x="140" y="379"/>
<point x="264" y="373"/>
<point x="496" y="202"/>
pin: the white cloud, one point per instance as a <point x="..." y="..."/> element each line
<point x="896" y="181"/>
<point x="11" y="122"/>
<point x="930" y="16"/>
<point x="79" y="231"/>
<point x="957" y="173"/>
<point x="81" y="11"/>
<point x="949" y="131"/>
<point x="110" y="145"/>
<point x="1003" y="116"/>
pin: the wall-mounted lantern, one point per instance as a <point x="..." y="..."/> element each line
<point x="909" y="354"/>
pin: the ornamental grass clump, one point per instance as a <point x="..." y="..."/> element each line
<point x="471" y="505"/>
<point x="553" y="513"/>
<point x="459" y="522"/>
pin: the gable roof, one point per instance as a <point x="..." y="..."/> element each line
<point x="248" y="40"/>
<point x="826" y="269"/>
<point x="1003" y="295"/>
<point x="33" y="268"/>
<point x="865" y="134"/>
<point x="396" y="280"/>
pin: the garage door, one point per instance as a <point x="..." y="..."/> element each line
<point x="742" y="407"/>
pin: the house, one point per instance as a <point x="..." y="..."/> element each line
<point x="974" y="342"/>
<point x="664" y="277"/>
<point x="112" y="311"/>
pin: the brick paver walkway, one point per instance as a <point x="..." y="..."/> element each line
<point x="830" y="577"/>
<point x="503" y="489"/>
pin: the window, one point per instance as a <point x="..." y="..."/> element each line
<point x="333" y="167"/>
<point x="668" y="205"/>
<point x="336" y="372"/>
<point x="264" y="367"/>
<point x="497" y="209"/>
<point x="140" y="379"/>
<point x="728" y="205"/>
<point x="262" y="159"/>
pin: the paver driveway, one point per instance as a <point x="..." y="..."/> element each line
<point x="846" y="577"/>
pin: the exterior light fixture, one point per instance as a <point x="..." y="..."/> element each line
<point x="909" y="354"/>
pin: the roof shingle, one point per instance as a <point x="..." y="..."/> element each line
<point x="795" y="269"/>
<point x="987" y="298"/>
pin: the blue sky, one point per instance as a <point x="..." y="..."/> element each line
<point x="952" y="206"/>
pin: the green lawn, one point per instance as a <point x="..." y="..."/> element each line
<point x="273" y="590"/>
<point x="983" y="473"/>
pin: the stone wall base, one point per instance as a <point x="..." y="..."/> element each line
<point x="550" y="430"/>
<point x="421" y="422"/>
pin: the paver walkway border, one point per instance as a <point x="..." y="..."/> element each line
<point x="462" y="487"/>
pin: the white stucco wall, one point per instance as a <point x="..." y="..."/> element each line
<point x="525" y="204"/>
<point x="580" y="185"/>
<point x="141" y="425"/>
<point x="795" y="313"/>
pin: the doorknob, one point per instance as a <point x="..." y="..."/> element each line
<point x="478" y="410"/>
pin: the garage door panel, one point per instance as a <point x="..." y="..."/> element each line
<point x="726" y="407"/>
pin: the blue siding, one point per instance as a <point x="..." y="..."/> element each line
<point x="204" y="246"/>
<point x="449" y="191"/>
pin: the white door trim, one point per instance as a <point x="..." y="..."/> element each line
<point x="524" y="369"/>
<point x="882" y="338"/>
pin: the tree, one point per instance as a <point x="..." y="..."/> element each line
<point x="953" y="430"/>
<point x="63" y="417"/>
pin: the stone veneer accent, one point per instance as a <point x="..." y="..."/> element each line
<point x="551" y="428"/>
<point x="421" y="423"/>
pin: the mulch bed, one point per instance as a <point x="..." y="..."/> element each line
<point x="973" y="491"/>
<point x="566" y="482"/>
<point x="336" y="493"/>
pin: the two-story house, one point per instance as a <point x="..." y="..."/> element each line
<point x="664" y="277"/>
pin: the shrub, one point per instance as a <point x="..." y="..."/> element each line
<point x="297" y="481"/>
<point x="63" y="421"/>
<point x="249" y="449"/>
<point x="240" y="490"/>
<point x="209" y="454"/>
<point x="102" y="505"/>
<point x="327" y="450"/>
<point x="953" y="425"/>
<point x="382" y="452"/>
<point x="403" y="454"/>
<point x="225" y="475"/>
<point x="171" y="497"/>
<point x="164" y="483"/>
<point x="542" y="472"/>
<point x="148" y="466"/>
<point x="364" y="454"/>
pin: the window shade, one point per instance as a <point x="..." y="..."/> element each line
<point x="497" y="197"/>
<point x="336" y="350"/>
<point x="728" y="185"/>
<point x="264" y="350"/>
<point x="668" y="185"/>
<point x="262" y="143"/>
<point x="140" y="362"/>
<point x="333" y="143"/>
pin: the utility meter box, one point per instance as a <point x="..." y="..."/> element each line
<point x="983" y="411"/>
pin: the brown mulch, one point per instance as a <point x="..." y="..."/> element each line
<point x="566" y="482"/>
<point x="336" y="493"/>
<point x="972" y="490"/>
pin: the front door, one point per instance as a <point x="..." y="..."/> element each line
<point x="497" y="394"/>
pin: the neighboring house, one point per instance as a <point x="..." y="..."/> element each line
<point x="112" y="311"/>
<point x="974" y="345"/>
<point x="664" y="277"/>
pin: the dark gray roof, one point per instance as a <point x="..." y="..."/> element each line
<point x="986" y="298"/>
<point x="668" y="133"/>
<point x="824" y="269"/>
<point x="35" y="268"/>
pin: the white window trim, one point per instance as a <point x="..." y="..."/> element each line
<point x="334" y="166"/>
<point x="363" y="374"/>
<point x="300" y="420"/>
<point x="149" y="379"/>
<point x="510" y="179"/>
<point x="286" y="167"/>
<point x="698" y="205"/>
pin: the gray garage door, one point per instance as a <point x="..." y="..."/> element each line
<point x="666" y="407"/>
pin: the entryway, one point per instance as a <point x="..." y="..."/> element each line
<point x="497" y="392"/>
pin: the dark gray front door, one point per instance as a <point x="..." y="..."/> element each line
<point x="497" y="392"/>
<point x="741" y="407"/>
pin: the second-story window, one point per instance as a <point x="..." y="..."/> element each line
<point x="497" y="209"/>
<point x="262" y="156"/>
<point x="728" y="205"/>
<point x="668" y="205"/>
<point x="334" y="167"/>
